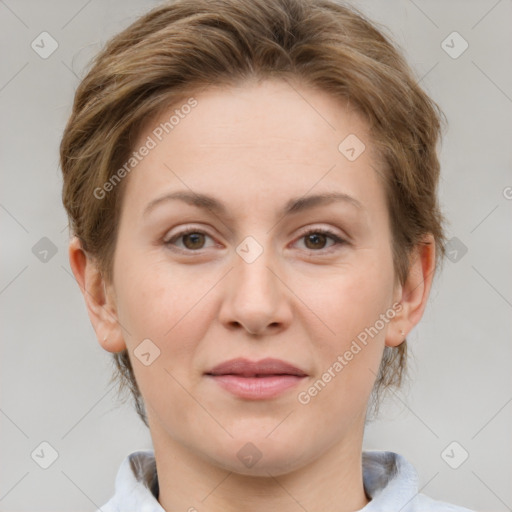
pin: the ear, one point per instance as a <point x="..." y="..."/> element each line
<point x="413" y="294"/>
<point x="99" y="298"/>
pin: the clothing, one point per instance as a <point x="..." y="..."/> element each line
<point x="389" y="480"/>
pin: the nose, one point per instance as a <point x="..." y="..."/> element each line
<point x="256" y="299"/>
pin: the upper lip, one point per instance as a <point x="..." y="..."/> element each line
<point x="247" y="368"/>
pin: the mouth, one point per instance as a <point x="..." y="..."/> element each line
<point x="256" y="380"/>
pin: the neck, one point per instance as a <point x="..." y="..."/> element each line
<point x="331" y="483"/>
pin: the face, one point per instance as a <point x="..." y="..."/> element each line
<point x="281" y="267"/>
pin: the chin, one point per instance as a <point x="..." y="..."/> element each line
<point x="261" y="456"/>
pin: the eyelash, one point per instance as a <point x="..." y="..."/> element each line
<point x="323" y="231"/>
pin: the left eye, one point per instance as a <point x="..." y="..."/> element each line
<point x="316" y="239"/>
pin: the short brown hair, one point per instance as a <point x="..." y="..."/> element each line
<point x="186" y="45"/>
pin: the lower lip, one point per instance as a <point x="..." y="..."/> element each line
<point x="256" y="388"/>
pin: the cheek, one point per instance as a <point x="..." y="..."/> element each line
<point x="352" y="307"/>
<point x="169" y="305"/>
<point x="353" y="297"/>
<point x="156" y="306"/>
<point x="174" y="311"/>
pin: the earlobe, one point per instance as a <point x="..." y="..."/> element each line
<point x="101" y="306"/>
<point x="396" y="333"/>
<point x="414" y="292"/>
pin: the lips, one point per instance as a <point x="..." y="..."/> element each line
<point x="263" y="368"/>
<point x="256" y="380"/>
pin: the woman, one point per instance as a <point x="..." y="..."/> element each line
<point x="252" y="189"/>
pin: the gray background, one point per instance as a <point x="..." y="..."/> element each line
<point x="54" y="374"/>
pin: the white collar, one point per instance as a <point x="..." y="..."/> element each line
<point x="389" y="480"/>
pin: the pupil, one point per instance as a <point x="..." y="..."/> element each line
<point x="316" y="238"/>
<point x="195" y="239"/>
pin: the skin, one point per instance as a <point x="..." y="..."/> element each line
<point x="303" y="300"/>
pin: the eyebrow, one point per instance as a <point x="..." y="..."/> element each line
<point x="293" y="206"/>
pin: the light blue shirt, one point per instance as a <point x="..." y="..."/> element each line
<point x="389" y="480"/>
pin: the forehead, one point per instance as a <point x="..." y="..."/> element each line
<point x="256" y="141"/>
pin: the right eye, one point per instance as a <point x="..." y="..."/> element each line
<point x="192" y="240"/>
